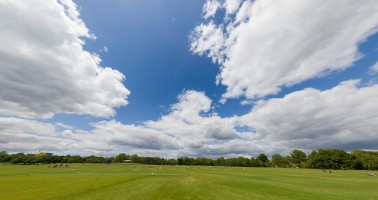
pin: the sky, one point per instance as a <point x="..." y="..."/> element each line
<point x="202" y="78"/>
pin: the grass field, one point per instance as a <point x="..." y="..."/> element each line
<point x="131" y="181"/>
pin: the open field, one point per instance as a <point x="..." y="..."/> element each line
<point x="131" y="181"/>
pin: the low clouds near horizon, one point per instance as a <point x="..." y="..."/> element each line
<point x="260" y="46"/>
<point x="341" y="117"/>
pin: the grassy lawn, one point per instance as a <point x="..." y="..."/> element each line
<point x="131" y="181"/>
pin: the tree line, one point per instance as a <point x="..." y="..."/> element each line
<point x="321" y="159"/>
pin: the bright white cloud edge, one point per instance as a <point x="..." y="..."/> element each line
<point x="45" y="69"/>
<point x="267" y="45"/>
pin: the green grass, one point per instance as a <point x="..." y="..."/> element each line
<point x="130" y="181"/>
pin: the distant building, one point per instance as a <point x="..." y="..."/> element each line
<point x="127" y="161"/>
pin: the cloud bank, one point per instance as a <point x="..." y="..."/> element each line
<point x="342" y="117"/>
<point x="189" y="129"/>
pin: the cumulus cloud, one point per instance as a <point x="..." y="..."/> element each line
<point x="134" y="136"/>
<point x="190" y="129"/>
<point x="189" y="119"/>
<point x="30" y="136"/>
<point x="208" y="39"/>
<point x="22" y="135"/>
<point x="342" y="117"/>
<point x="44" y="68"/>
<point x="261" y="46"/>
<point x="268" y="45"/>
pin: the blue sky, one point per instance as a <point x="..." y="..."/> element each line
<point x="188" y="78"/>
<point x="154" y="56"/>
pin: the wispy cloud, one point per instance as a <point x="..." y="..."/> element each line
<point x="105" y="49"/>
<point x="374" y="68"/>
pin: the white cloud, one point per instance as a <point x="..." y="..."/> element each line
<point x="30" y="136"/>
<point x="134" y="136"/>
<point x="210" y="8"/>
<point x="105" y="49"/>
<point x="46" y="71"/>
<point x="374" y="68"/>
<point x="231" y="6"/>
<point x="208" y="39"/>
<point x="342" y="117"/>
<point x="190" y="121"/>
<point x="269" y="45"/>
<point x="44" y="68"/>
<point x="190" y="129"/>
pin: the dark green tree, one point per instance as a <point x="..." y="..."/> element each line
<point x="4" y="157"/>
<point x="328" y="159"/>
<point x="18" y="158"/>
<point x="136" y="159"/>
<point x="120" y="157"/>
<point x="279" y="161"/>
<point x="298" y="157"/>
<point x="74" y="159"/>
<point x="262" y="157"/>
<point x="369" y="159"/>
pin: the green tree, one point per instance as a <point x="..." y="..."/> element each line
<point x="262" y="157"/>
<point x="329" y="159"/>
<point x="298" y="157"/>
<point x="256" y="162"/>
<point x="120" y="157"/>
<point x="242" y="162"/>
<point x="221" y="161"/>
<point x="264" y="160"/>
<point x="4" y="157"/>
<point x="94" y="159"/>
<point x="279" y="161"/>
<point x="369" y="159"/>
<point x="136" y="159"/>
<point x="40" y="158"/>
<point x="18" y="158"/>
<point x="74" y="159"/>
